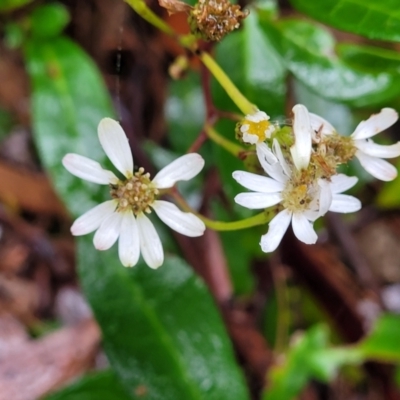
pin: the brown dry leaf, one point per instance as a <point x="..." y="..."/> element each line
<point x="38" y="367"/>
<point x="30" y="191"/>
<point x="19" y="297"/>
<point x="174" y="6"/>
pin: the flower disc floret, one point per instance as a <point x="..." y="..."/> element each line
<point x="136" y="194"/>
<point x="255" y="128"/>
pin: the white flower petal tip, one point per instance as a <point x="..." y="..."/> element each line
<point x="377" y="167"/>
<point x="258" y="201"/>
<point x="182" y="169"/>
<point x="257" y="183"/>
<point x="108" y="232"/>
<point x="150" y="243"/>
<point x="376" y="150"/>
<point x="340" y="183"/>
<point x="375" y="123"/>
<point x="277" y="228"/>
<point x="115" y="144"/>
<point x="184" y="223"/>
<point x="301" y="150"/>
<point x="129" y="241"/>
<point x="88" y="169"/>
<point x="343" y="203"/>
<point x="92" y="219"/>
<point x="303" y="229"/>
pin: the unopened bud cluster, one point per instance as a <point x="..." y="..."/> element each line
<point x="211" y="20"/>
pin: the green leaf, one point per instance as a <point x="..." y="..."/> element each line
<point x="383" y="343"/>
<point x="311" y="357"/>
<point x="288" y="379"/>
<point x="102" y="385"/>
<point x="8" y="5"/>
<point x="369" y="58"/>
<point x="160" y="328"/>
<point x="371" y="18"/>
<point x="309" y="53"/>
<point x="252" y="62"/>
<point x="49" y="20"/>
<point x="68" y="101"/>
<point x="185" y="112"/>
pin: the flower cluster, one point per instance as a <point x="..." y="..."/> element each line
<point x="132" y="197"/>
<point x="303" y="183"/>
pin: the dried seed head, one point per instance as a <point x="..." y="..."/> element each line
<point x="211" y="20"/>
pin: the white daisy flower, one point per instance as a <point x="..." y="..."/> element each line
<point x="124" y="217"/>
<point x="302" y="203"/>
<point x="256" y="128"/>
<point x="369" y="153"/>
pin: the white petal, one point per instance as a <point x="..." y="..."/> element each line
<point x="108" y="232"/>
<point x="375" y="123"/>
<point x="264" y="152"/>
<point x="277" y="228"/>
<point x="325" y="196"/>
<point x="93" y="218"/>
<point x="378" y="168"/>
<point x="343" y="203"/>
<point x="278" y="152"/>
<point x="270" y="163"/>
<point x="182" y="169"/>
<point x="257" y="183"/>
<point x="150" y="243"/>
<point x="183" y="222"/>
<point x="250" y="138"/>
<point x="301" y="150"/>
<point x="377" y="150"/>
<point x="320" y="124"/>
<point x="115" y="144"/>
<point x="129" y="240"/>
<point x="341" y="183"/>
<point x="257" y="201"/>
<point x="258" y="116"/>
<point x="303" y="229"/>
<point x="88" y="169"/>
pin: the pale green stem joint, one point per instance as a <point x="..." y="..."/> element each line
<point x="233" y="92"/>
<point x="144" y="11"/>
<point x="229" y="146"/>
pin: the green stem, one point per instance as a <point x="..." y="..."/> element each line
<point x="229" y="146"/>
<point x="233" y="92"/>
<point x="141" y="8"/>
<point x="258" y="219"/>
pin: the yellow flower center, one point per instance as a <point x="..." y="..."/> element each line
<point x="137" y="193"/>
<point x="259" y="129"/>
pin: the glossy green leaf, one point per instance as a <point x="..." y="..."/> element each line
<point x="185" y="112"/>
<point x="369" y="58"/>
<point x="309" y="53"/>
<point x="371" y="18"/>
<point x="383" y="342"/>
<point x="8" y="5"/>
<point x="160" y="328"/>
<point x="254" y="65"/>
<point x="68" y="101"/>
<point x="102" y="385"/>
<point x="48" y="20"/>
